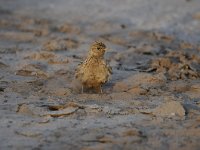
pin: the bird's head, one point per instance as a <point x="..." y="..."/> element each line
<point x="97" y="49"/>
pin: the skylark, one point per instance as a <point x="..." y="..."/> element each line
<point x="94" y="72"/>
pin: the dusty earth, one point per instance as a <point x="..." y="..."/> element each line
<point x="151" y="102"/>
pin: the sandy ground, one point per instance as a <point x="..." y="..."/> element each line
<point x="151" y="102"/>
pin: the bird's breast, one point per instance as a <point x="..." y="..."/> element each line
<point x="95" y="72"/>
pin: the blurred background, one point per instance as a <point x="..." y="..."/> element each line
<point x="173" y="16"/>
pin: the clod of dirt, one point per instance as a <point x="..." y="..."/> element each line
<point x="137" y="91"/>
<point x="106" y="139"/>
<point x="178" y="86"/>
<point x="58" y="61"/>
<point x="63" y="112"/>
<point x="162" y="37"/>
<point x="194" y="91"/>
<point x="120" y="86"/>
<point x="69" y="28"/>
<point x="32" y="70"/>
<point x="41" y="55"/>
<point x="145" y="49"/>
<point x="27" y="133"/>
<point x="41" y="32"/>
<point x="63" y="106"/>
<point x="111" y="111"/>
<point x="132" y="132"/>
<point x="24" y="109"/>
<point x="60" y="44"/>
<point x="93" y="108"/>
<point x="2" y="65"/>
<point x="35" y="31"/>
<point x="32" y="109"/>
<point x="196" y="16"/>
<point x="51" y="110"/>
<point x="186" y="45"/>
<point x="61" y="92"/>
<point x="157" y="36"/>
<point x="17" y="36"/>
<point x="177" y="65"/>
<point x="170" y="109"/>
<point x="50" y="57"/>
<point x="134" y="83"/>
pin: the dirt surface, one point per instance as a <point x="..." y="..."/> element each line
<point x="152" y="100"/>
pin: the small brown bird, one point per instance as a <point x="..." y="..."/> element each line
<point x="94" y="71"/>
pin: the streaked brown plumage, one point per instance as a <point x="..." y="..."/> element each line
<point x="94" y="71"/>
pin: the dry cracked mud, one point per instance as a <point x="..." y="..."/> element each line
<point x="152" y="100"/>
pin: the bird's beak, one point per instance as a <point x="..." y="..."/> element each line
<point x="107" y="49"/>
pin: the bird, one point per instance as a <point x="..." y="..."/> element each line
<point x="94" y="71"/>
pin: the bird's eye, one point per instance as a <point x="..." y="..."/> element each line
<point x="98" y="48"/>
